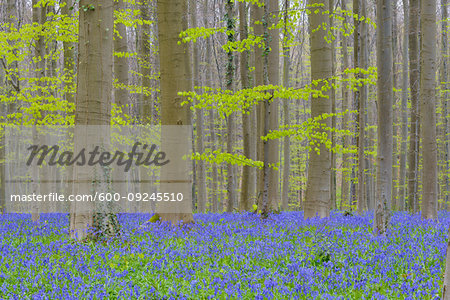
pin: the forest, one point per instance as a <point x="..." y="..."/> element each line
<point x="224" y="149"/>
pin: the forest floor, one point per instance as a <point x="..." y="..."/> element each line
<point x="226" y="256"/>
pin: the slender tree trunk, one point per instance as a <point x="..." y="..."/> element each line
<point x="354" y="189"/>
<point x="231" y="186"/>
<point x="45" y="52"/>
<point x="446" y="113"/>
<point x="345" y="185"/>
<point x="318" y="186"/>
<point x="384" y="101"/>
<point x="363" y="167"/>
<point x="357" y="52"/>
<point x="200" y="165"/>
<point x="333" y="120"/>
<point x="120" y="91"/>
<point x="445" y="96"/>
<point x="256" y="17"/>
<point x="175" y="77"/>
<point x="395" y="122"/>
<point x="244" y="203"/>
<point x="372" y="113"/>
<point x="69" y="96"/>
<point x="121" y="61"/>
<point x="428" y="108"/>
<point x="274" y="78"/>
<point x="287" y="140"/>
<point x="146" y="102"/>
<point x="215" y="194"/>
<point x="11" y="107"/>
<point x="404" y="135"/>
<point x="413" y="151"/>
<point x="39" y="17"/>
<point x="146" y="106"/>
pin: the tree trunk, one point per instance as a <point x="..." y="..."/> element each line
<point x="413" y="151"/>
<point x="445" y="96"/>
<point x="256" y="17"/>
<point x="404" y="123"/>
<point x="93" y="103"/>
<point x="121" y="81"/>
<point x="428" y="108"/>
<point x="215" y="194"/>
<point x="244" y="203"/>
<point x="318" y="186"/>
<point x="287" y="140"/>
<point x="346" y="105"/>
<point x="146" y="105"/>
<point x="231" y="186"/>
<point x="121" y="61"/>
<point x="68" y="51"/>
<point x="395" y="117"/>
<point x="273" y="78"/>
<point x="175" y="77"/>
<point x="13" y="81"/>
<point x="363" y="142"/>
<point x="39" y="16"/>
<point x="333" y="118"/>
<point x="357" y="52"/>
<point x="384" y="101"/>
<point x="200" y="165"/>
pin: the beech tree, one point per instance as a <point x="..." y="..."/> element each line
<point x="231" y="127"/>
<point x="385" y="129"/>
<point x="174" y="69"/>
<point x="317" y="200"/>
<point x="286" y="113"/>
<point x="93" y="108"/>
<point x="273" y="77"/>
<point x="413" y="150"/>
<point x="428" y="38"/>
<point x="244" y="202"/>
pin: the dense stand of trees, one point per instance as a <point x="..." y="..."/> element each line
<point x="357" y="140"/>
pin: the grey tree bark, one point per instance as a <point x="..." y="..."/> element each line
<point x="120" y="91"/>
<point x="215" y="195"/>
<point x="200" y="165"/>
<point x="256" y="17"/>
<point x="273" y="78"/>
<point x="231" y="184"/>
<point x="175" y="77"/>
<point x="121" y="62"/>
<point x="346" y="105"/>
<point x="39" y="16"/>
<point x="385" y="129"/>
<point x="146" y="103"/>
<point x="244" y="201"/>
<point x="414" y="73"/>
<point x="404" y="122"/>
<point x="364" y="95"/>
<point x="445" y="96"/>
<point x="358" y="59"/>
<point x="317" y="201"/>
<point x="286" y="111"/>
<point x="93" y="104"/>
<point x="428" y="37"/>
